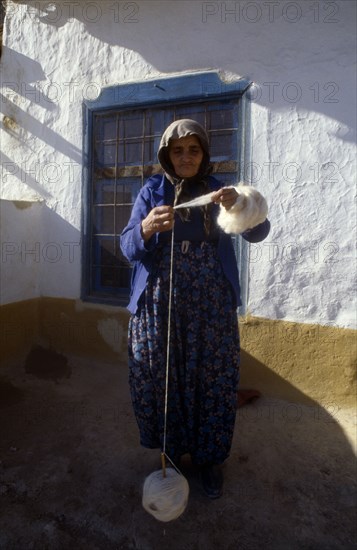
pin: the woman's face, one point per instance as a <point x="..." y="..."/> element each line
<point x="186" y="155"/>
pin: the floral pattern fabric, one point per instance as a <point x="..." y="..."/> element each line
<point x="203" y="356"/>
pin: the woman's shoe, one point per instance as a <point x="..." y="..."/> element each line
<point x="212" y="480"/>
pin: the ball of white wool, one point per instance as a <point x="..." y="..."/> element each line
<point x="249" y="210"/>
<point x="165" y="497"/>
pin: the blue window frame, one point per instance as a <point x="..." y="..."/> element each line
<point x="122" y="132"/>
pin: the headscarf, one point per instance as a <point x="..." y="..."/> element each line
<point x="183" y="186"/>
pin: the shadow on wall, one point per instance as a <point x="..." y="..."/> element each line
<point x="25" y="124"/>
<point x="26" y="71"/>
<point x="22" y="74"/>
<point x="245" y="41"/>
<point x="40" y="253"/>
<point x="257" y="375"/>
<point x="21" y="77"/>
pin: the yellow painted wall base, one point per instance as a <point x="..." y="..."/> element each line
<point x="293" y="361"/>
<point x="67" y="326"/>
<point x="297" y="361"/>
<point x="19" y="325"/>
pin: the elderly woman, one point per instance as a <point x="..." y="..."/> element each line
<point x="204" y="337"/>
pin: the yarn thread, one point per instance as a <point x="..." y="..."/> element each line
<point x="163" y="454"/>
<point x="199" y="201"/>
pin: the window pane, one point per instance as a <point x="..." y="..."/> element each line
<point x="226" y="178"/>
<point x="105" y="128"/>
<point x="148" y="123"/>
<point x="149" y="157"/>
<point x="161" y="118"/>
<point x="197" y="113"/>
<point x="122" y="215"/>
<point x="110" y="278"/>
<point x="220" y="119"/>
<point x="103" y="251"/>
<point x="222" y="146"/>
<point x="104" y="192"/>
<point x="104" y="219"/>
<point x="133" y="152"/>
<point x="105" y="154"/>
<point x="132" y="125"/>
<point x="127" y="190"/>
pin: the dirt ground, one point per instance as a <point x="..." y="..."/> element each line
<point x="71" y="471"/>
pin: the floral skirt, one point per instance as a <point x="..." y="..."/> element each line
<point x="203" y="356"/>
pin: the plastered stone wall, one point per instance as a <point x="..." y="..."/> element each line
<point x="301" y="57"/>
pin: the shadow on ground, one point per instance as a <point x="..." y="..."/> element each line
<point x="71" y="471"/>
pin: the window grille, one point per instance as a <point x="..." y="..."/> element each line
<point x="122" y="145"/>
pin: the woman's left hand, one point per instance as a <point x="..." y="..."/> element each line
<point x="226" y="196"/>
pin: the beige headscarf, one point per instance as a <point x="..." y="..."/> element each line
<point x="179" y="129"/>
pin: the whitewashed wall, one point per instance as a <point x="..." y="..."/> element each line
<point x="301" y="56"/>
<point x="21" y="237"/>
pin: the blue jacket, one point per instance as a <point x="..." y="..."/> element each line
<point x="158" y="191"/>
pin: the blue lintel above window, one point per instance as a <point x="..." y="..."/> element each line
<point x="184" y="88"/>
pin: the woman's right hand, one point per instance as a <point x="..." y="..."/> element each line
<point x="159" y="219"/>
